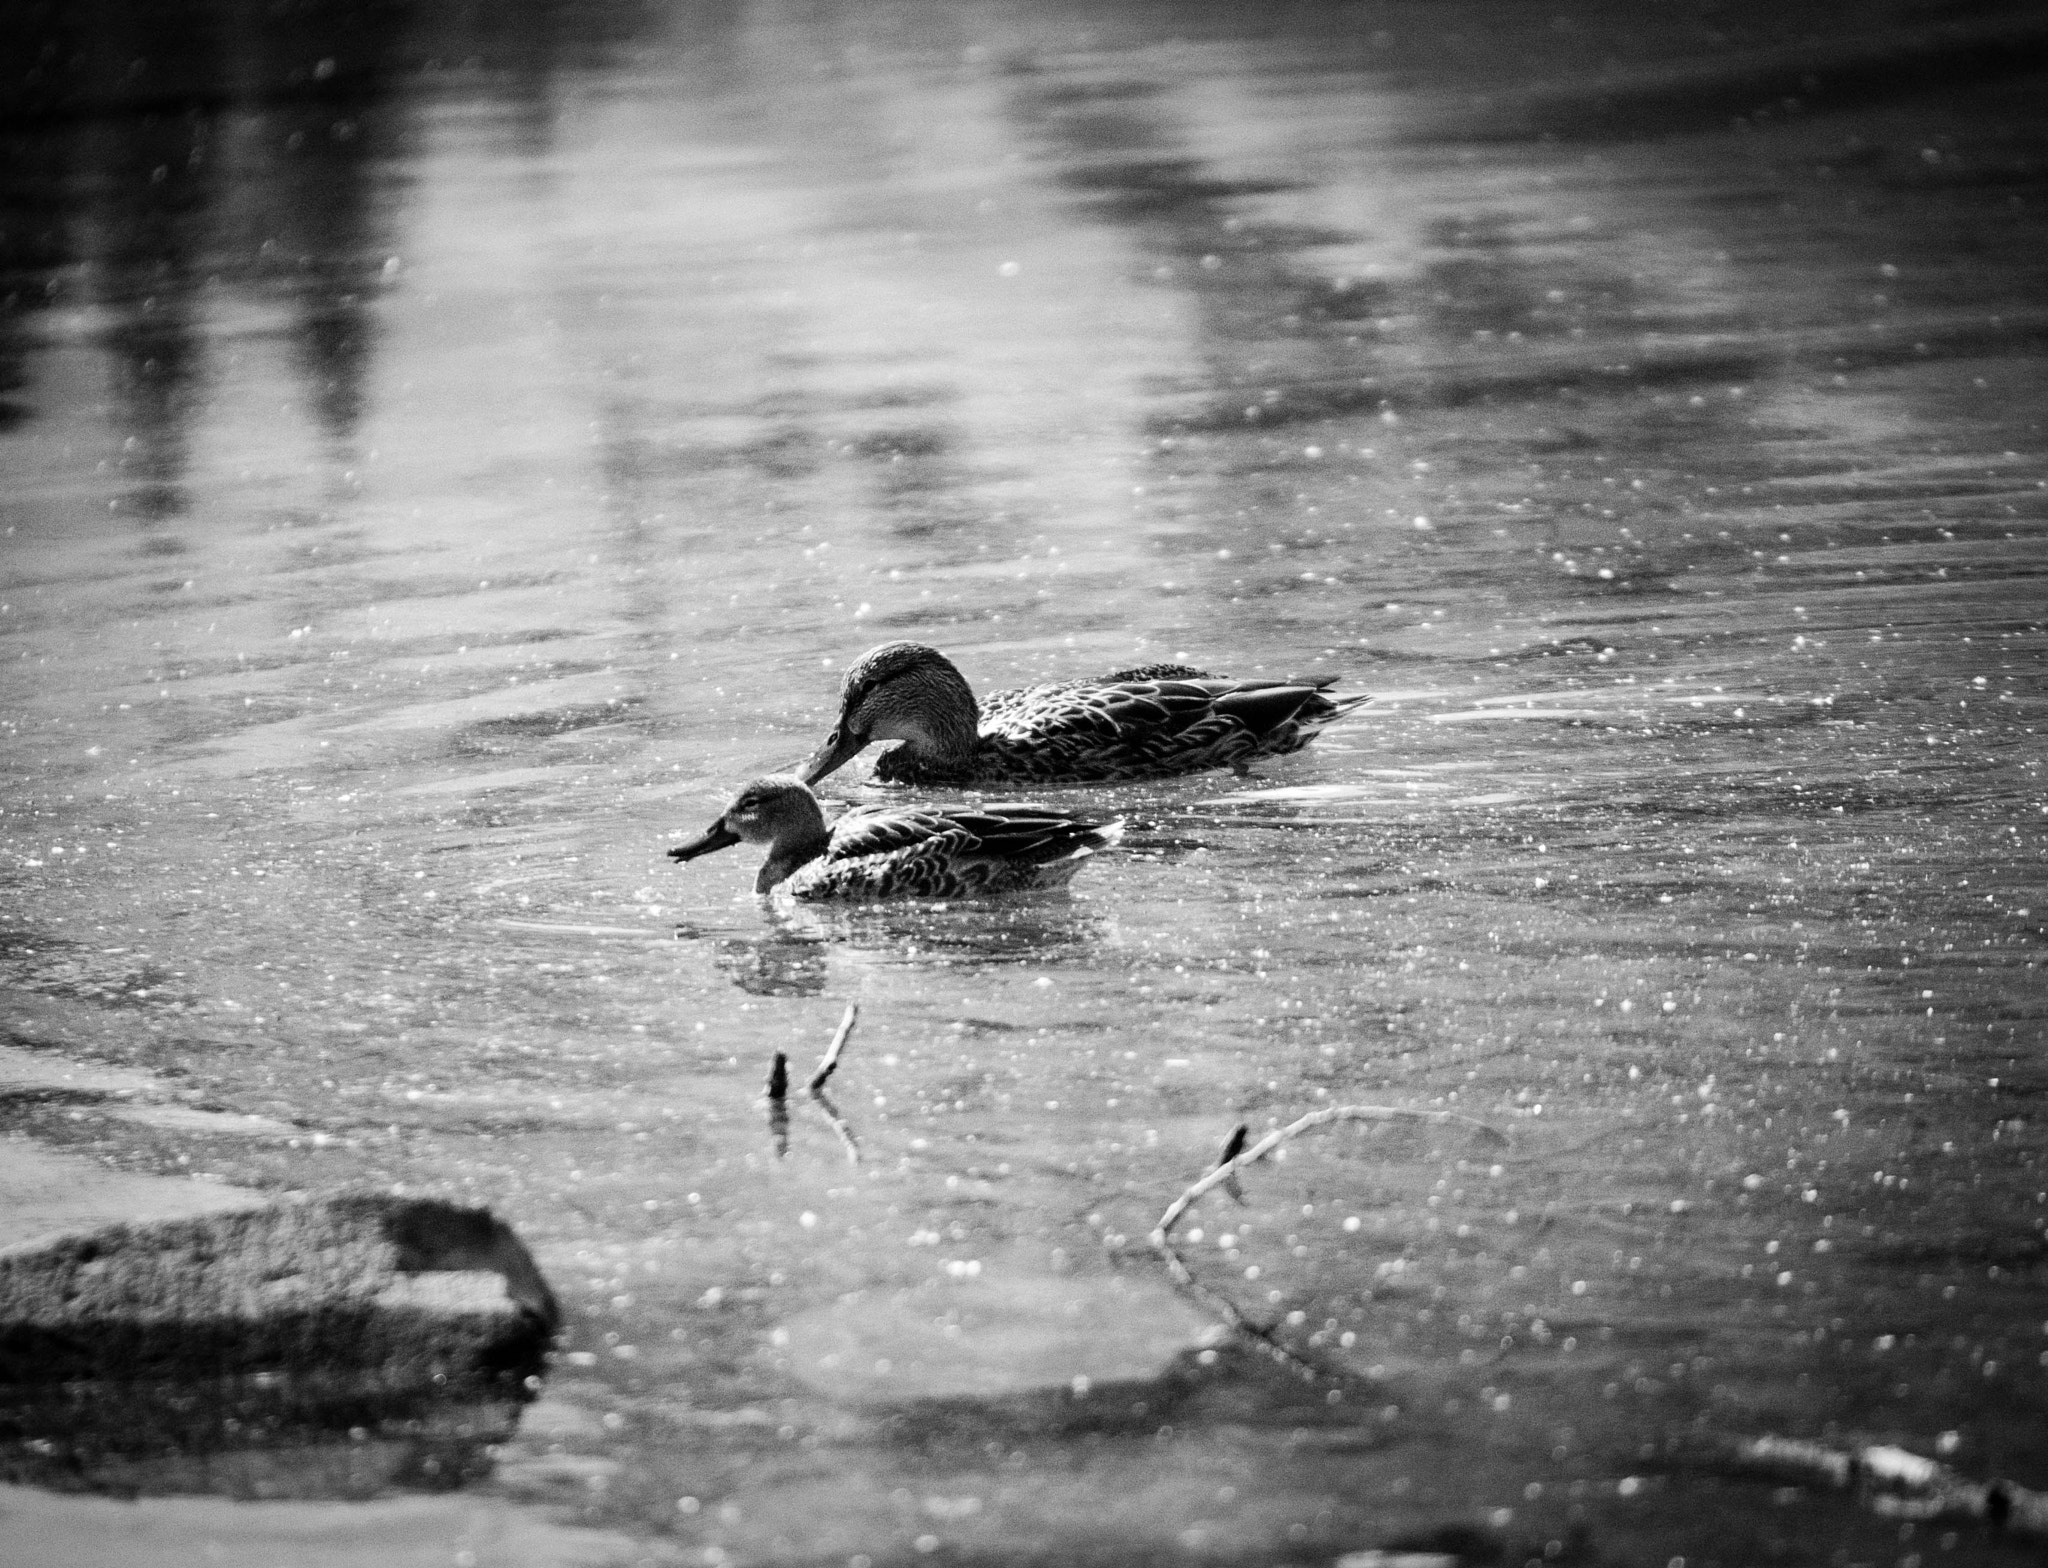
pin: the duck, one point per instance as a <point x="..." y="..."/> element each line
<point x="900" y="851"/>
<point x="1153" y="721"/>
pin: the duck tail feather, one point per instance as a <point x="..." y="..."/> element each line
<point x="1263" y="708"/>
<point x="1091" y="838"/>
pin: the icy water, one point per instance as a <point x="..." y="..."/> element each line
<point x="448" y="449"/>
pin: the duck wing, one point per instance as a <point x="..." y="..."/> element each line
<point x="1123" y="712"/>
<point x="1000" y="706"/>
<point x="1025" y="832"/>
<point x="1021" y="832"/>
<point x="1267" y="707"/>
<point x="952" y="852"/>
<point x="1001" y="709"/>
<point x="882" y="830"/>
<point x="1091" y="731"/>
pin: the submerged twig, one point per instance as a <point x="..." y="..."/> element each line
<point x="1231" y="1151"/>
<point x="1224" y="1174"/>
<point x="1260" y="1338"/>
<point x="1898" y="1483"/>
<point x="778" y="1104"/>
<point x="829" y="1063"/>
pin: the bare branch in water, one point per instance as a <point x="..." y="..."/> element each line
<point x="1227" y="1169"/>
<point x="829" y="1063"/>
<point x="1896" y="1482"/>
<point x="778" y="1093"/>
<point x="1224" y="1174"/>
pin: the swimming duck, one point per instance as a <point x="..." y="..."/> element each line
<point x="1146" y="723"/>
<point x="899" y="851"/>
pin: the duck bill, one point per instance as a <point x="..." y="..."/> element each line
<point x="840" y="748"/>
<point x="714" y="838"/>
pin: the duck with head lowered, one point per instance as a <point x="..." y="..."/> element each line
<point x="1156" y="721"/>
<point x="899" y="851"/>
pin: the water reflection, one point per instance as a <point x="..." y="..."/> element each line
<point x="208" y="176"/>
<point x="269" y="1439"/>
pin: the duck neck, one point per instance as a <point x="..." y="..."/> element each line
<point x="942" y="726"/>
<point x="953" y="736"/>
<point x="791" y="853"/>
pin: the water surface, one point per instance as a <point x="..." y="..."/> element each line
<point x="448" y="451"/>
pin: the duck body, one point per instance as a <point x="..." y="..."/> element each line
<point x="876" y="852"/>
<point x="1157" y="721"/>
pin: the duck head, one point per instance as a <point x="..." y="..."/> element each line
<point x="779" y="811"/>
<point x="899" y="691"/>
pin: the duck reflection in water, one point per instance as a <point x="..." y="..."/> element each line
<point x="792" y="957"/>
<point x="786" y="962"/>
<point x="905" y="851"/>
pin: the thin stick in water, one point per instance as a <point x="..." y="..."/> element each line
<point x="829" y="1063"/>
<point x="1896" y="1482"/>
<point x="1226" y="1170"/>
